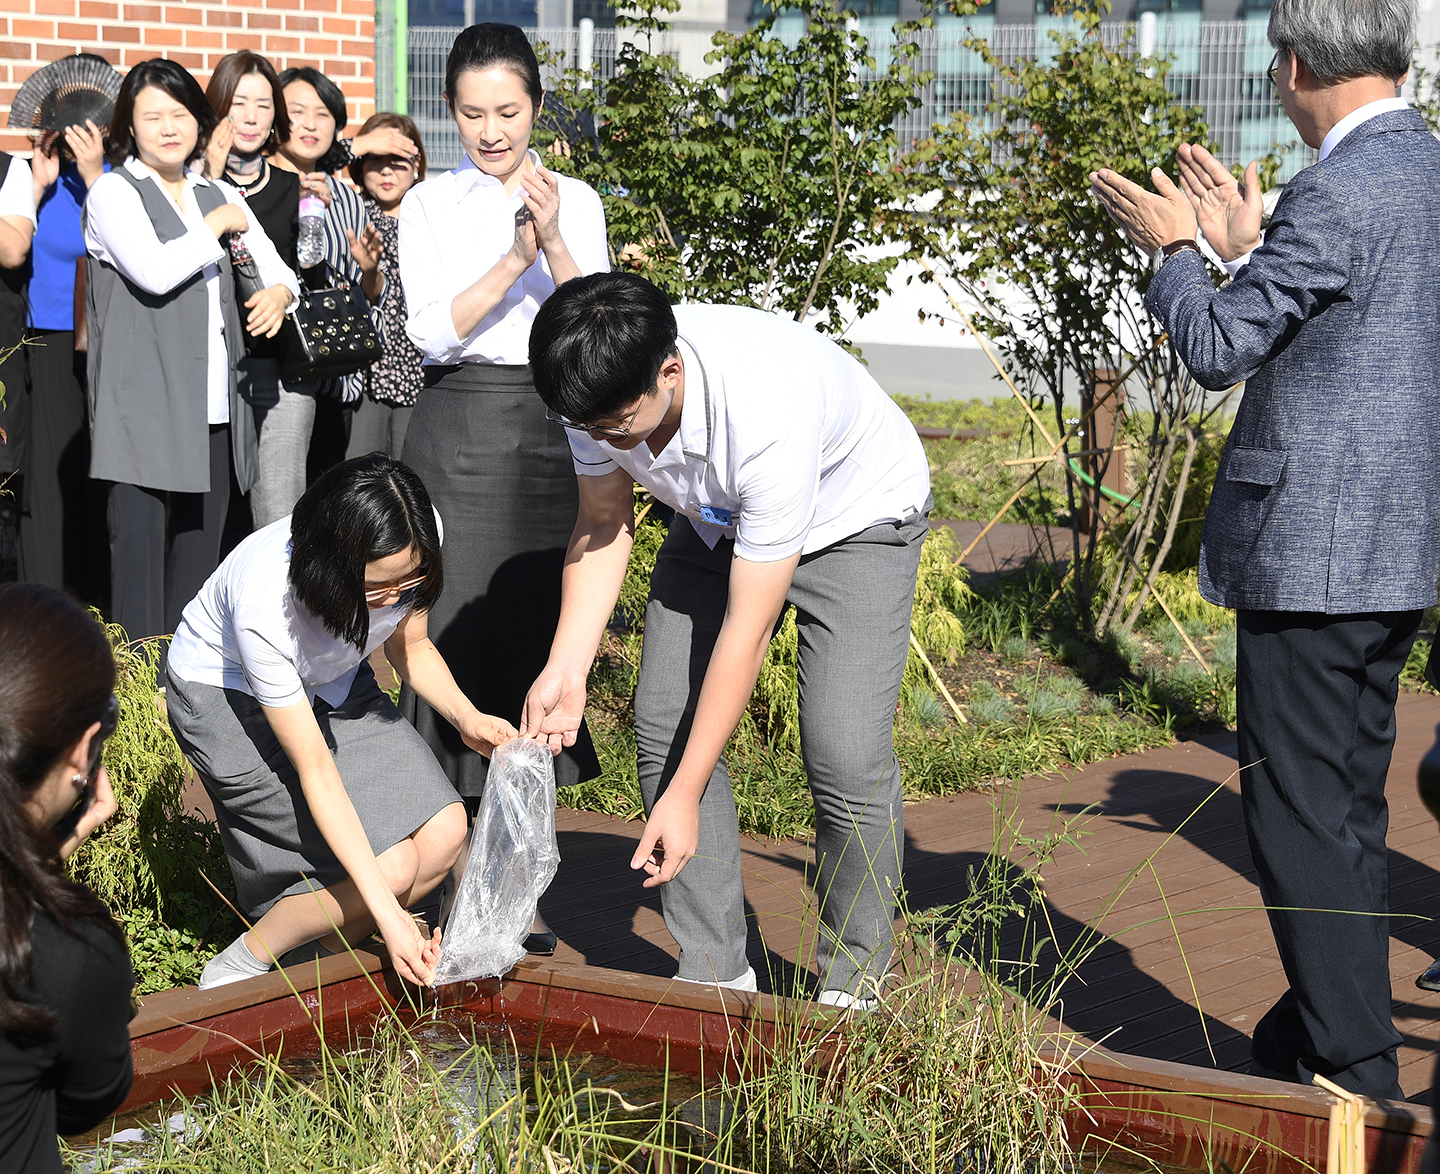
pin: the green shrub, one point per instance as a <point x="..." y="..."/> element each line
<point x="148" y="862"/>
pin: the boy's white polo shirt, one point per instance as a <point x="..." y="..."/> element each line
<point x="785" y="443"/>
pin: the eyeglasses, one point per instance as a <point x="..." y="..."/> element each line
<point x="605" y="432"/>
<point x="1273" y="73"/>
<point x="379" y="594"/>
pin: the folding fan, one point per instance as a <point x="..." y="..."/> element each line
<point x="67" y="92"/>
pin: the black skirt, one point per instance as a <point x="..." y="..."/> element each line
<point x="502" y="478"/>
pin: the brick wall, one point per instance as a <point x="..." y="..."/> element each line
<point x="336" y="37"/>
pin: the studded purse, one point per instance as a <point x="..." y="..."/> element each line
<point x="331" y="334"/>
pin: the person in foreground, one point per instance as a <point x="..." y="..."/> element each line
<point x="797" y="480"/>
<point x="334" y="814"/>
<point x="1322" y="529"/>
<point x="65" y="975"/>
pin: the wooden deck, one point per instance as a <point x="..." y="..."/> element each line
<point x="1133" y="991"/>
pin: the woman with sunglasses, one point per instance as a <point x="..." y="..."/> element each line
<point x="65" y="975"/>
<point x="481" y="248"/>
<point x="332" y="810"/>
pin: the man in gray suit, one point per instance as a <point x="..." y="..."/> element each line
<point x="1324" y="525"/>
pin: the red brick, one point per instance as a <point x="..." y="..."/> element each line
<point x="282" y="3"/>
<point x="357" y="7"/>
<point x="144" y="12"/>
<point x="188" y="60"/>
<point x="321" y="47"/>
<point x="338" y="68"/>
<point x="121" y="32"/>
<point x="18" y="49"/>
<point x="303" y="24"/>
<point x="56" y="7"/>
<point x="162" y="36"/>
<point x="276" y="44"/>
<point x="263" y="20"/>
<point x="215" y="16"/>
<point x="244" y="41"/>
<point x="321" y="5"/>
<point x="175" y="15"/>
<point x="358" y="48"/>
<point x="339" y="25"/>
<point x="35" y="28"/>
<point x="99" y="11"/>
<point x="52" y="52"/>
<point x="75" y="32"/>
<point x="204" y="39"/>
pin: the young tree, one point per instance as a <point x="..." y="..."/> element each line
<point x="766" y="183"/>
<point x="1017" y="232"/>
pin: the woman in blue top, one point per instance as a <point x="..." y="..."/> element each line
<point x="59" y="544"/>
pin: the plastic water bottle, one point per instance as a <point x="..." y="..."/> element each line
<point x="310" y="244"/>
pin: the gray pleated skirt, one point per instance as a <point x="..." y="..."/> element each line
<point x="503" y="479"/>
<point x="275" y="848"/>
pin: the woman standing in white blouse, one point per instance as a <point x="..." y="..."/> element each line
<point x="165" y="339"/>
<point x="481" y="247"/>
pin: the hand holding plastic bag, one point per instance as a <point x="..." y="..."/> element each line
<point x="513" y="857"/>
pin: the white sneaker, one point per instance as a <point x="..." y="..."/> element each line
<point x="846" y="1001"/>
<point x="234" y="963"/>
<point x="746" y="982"/>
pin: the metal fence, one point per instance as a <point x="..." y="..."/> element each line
<point x="1217" y="65"/>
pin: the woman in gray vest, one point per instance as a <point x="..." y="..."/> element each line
<point x="167" y="425"/>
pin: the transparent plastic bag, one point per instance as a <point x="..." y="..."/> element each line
<point x="512" y="860"/>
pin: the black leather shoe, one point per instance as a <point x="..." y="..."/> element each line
<point x="542" y="945"/>
<point x="1429" y="979"/>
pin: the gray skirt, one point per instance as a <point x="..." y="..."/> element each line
<point x="503" y="479"/>
<point x="274" y="846"/>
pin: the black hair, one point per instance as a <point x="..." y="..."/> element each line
<point x="57" y="674"/>
<point x="491" y="46"/>
<point x="359" y="511"/>
<point x="174" y="80"/>
<point x="334" y="100"/>
<point x="598" y="343"/>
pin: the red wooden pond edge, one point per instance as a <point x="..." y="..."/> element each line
<point x="1175" y="1114"/>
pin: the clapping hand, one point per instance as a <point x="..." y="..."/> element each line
<point x="1229" y="212"/>
<point x="541" y="193"/>
<point x="1150" y="219"/>
<point x="217" y="151"/>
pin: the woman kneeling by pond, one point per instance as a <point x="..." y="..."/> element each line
<point x="333" y="811"/>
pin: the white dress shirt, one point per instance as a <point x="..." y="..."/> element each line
<point x="453" y="230"/>
<point x="785" y="443"/>
<point x="1327" y="144"/>
<point x="247" y="631"/>
<point x="119" y="232"/>
<point x="17" y="193"/>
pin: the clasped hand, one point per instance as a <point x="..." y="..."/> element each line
<point x="1208" y="199"/>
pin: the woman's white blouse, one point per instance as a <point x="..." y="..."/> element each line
<point x="453" y="230"/>
<point x="118" y="231"/>
<point x="246" y="631"/>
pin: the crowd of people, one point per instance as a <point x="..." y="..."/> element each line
<point x="466" y="503"/>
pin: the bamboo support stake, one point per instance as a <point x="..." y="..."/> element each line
<point x="1345" y="1152"/>
<point x="989" y="354"/>
<point x="944" y="692"/>
<point x="1160" y="599"/>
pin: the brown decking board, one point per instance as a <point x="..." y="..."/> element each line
<point x="1133" y="991"/>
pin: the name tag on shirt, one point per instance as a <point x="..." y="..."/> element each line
<point x="716" y="516"/>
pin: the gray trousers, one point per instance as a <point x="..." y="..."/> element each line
<point x="377" y="427"/>
<point x="284" y="417"/>
<point x="852" y="604"/>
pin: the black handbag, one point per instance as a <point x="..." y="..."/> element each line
<point x="330" y="334"/>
